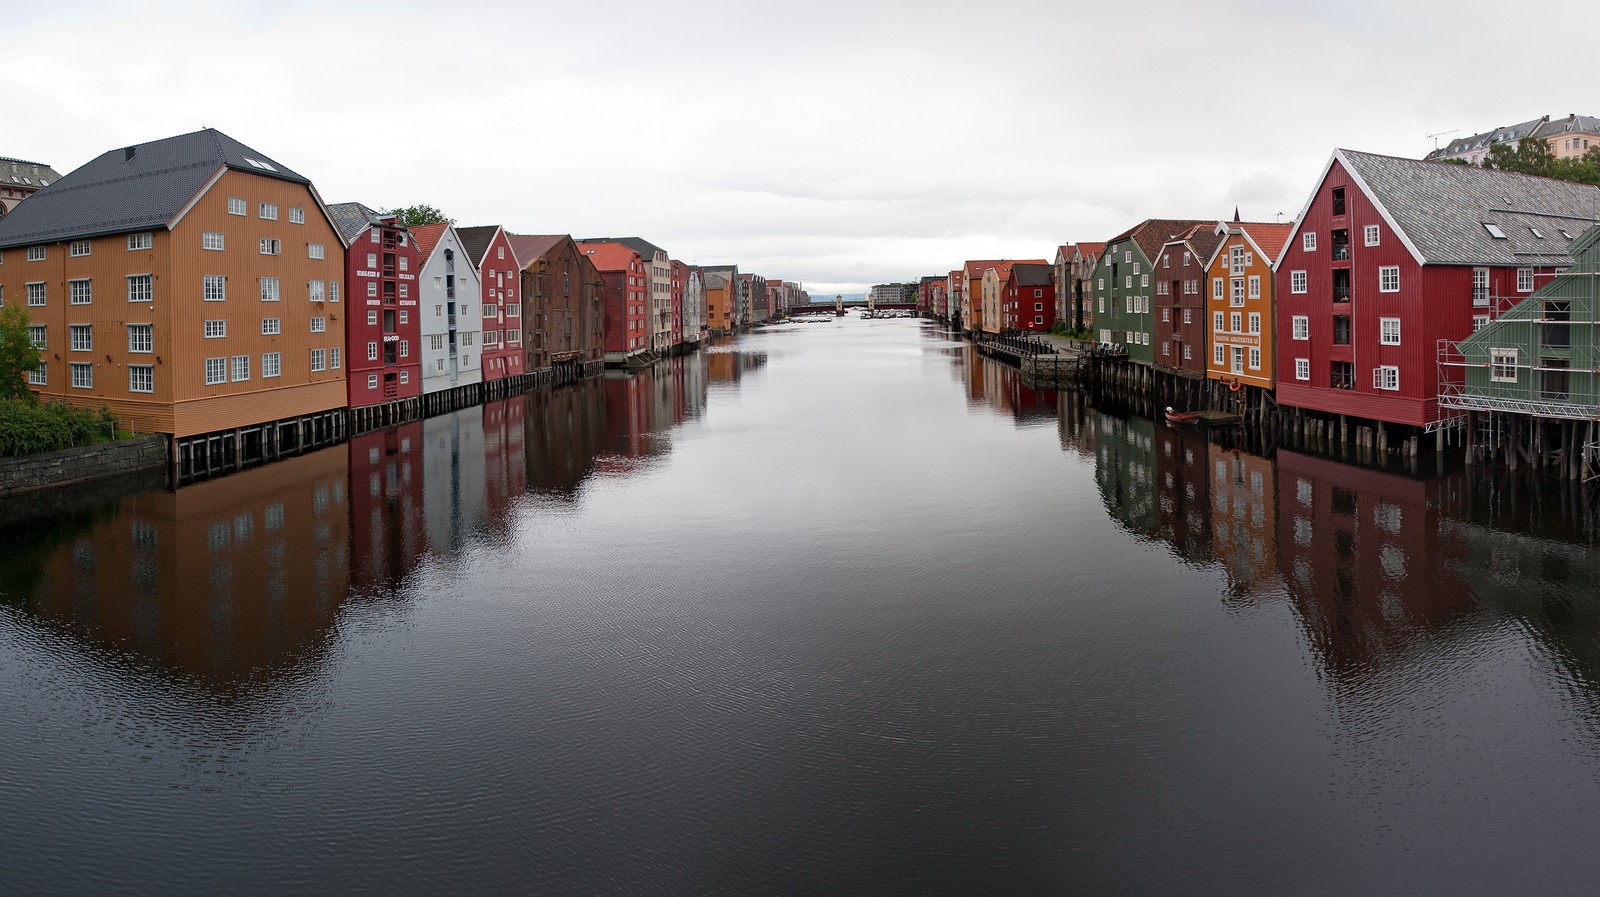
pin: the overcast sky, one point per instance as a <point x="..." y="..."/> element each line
<point x="835" y="143"/>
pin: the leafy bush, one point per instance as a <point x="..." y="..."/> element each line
<point x="27" y="427"/>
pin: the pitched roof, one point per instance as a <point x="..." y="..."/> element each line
<point x="476" y="240"/>
<point x="23" y="173"/>
<point x="1090" y="251"/>
<point x="645" y="248"/>
<point x="1440" y="211"/>
<point x="1153" y="233"/>
<point x="609" y="256"/>
<point x="1504" y="134"/>
<point x="1270" y="238"/>
<point x="529" y="248"/>
<point x="134" y="188"/>
<point x="352" y="218"/>
<point x="427" y="236"/>
<point x="1032" y="274"/>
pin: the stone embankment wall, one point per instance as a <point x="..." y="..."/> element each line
<point x="124" y="458"/>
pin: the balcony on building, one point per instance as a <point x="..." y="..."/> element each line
<point x="1341" y="330"/>
<point x="1341" y="246"/>
<point x="1341" y="285"/>
<point x="1343" y="375"/>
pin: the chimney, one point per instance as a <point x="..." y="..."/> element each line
<point x="128" y="153"/>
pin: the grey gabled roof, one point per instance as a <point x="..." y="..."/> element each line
<point x="475" y="240"/>
<point x="1440" y="210"/>
<point x="1504" y="134"/>
<point x="1031" y="275"/>
<point x="133" y="188"/>
<point x="22" y="173"/>
<point x="352" y="218"/>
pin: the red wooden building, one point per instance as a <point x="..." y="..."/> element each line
<point x="383" y="330"/>
<point x="500" y="274"/>
<point x="1028" y="297"/>
<point x="623" y="271"/>
<point x="680" y="275"/>
<point x="1389" y="257"/>
<point x="1178" y="337"/>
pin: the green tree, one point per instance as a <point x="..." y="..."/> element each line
<point x="417" y="216"/>
<point x="17" y="354"/>
<point x="1530" y="155"/>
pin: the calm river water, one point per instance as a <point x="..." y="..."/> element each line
<point x="829" y="609"/>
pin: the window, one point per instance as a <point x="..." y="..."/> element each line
<point x="405" y="348"/>
<point x="212" y="241"/>
<point x="269" y="246"/>
<point x="1127" y="281"/>
<point x="372" y="381"/>
<point x="78" y="249"/>
<point x="1524" y="280"/>
<point x="1235" y="323"/>
<point x="1255" y="358"/>
<point x="1302" y="369"/>
<point x="372" y="317"/>
<point x="1127" y="256"/>
<point x="405" y="262"/>
<point x="141" y="378"/>
<point x="1494" y="231"/>
<point x="316" y="250"/>
<point x="216" y="371"/>
<point x="1308" y="241"/>
<point x="317" y="290"/>
<point x="1302" y="326"/>
<point x="372" y="289"/>
<point x="403" y="316"/>
<point x="80" y="292"/>
<point x="1166" y="314"/>
<point x="1297" y="281"/>
<point x="1386" y="376"/>
<point x="1216" y="321"/>
<point x="1479" y="322"/>
<point x="81" y="337"/>
<point x="241" y="368"/>
<point x="333" y="358"/>
<point x="271" y="364"/>
<point x="1389" y="279"/>
<point x="1236" y="291"/>
<point x="333" y="291"/>
<point x="1389" y="331"/>
<point x="235" y="206"/>
<point x="1370" y="234"/>
<point x="141" y="338"/>
<point x="1255" y="286"/>
<point x="297" y="215"/>
<point x="216" y="329"/>
<point x="82" y="375"/>
<point x="140" y="288"/>
<point x="319" y="325"/>
<point x="466" y="339"/>
<point x="372" y="257"/>
<point x="372" y="351"/>
<point x="267" y="210"/>
<point x="1166" y="260"/>
<point x="1255" y="322"/>
<point x="216" y="288"/>
<point x="1144" y="280"/>
<point x="1503" y="365"/>
<point x="1188" y="316"/>
<point x="489" y="311"/>
<point x="405" y="290"/>
<point x="271" y="326"/>
<point x="1480" y="287"/>
<point x="436" y="342"/>
<point x="373" y="235"/>
<point x="35" y="253"/>
<point x="319" y="359"/>
<point x="1216" y="288"/>
<point x="35" y="294"/>
<point x="1187" y="351"/>
<point x="1236" y="260"/>
<point x="405" y="376"/>
<point x="36" y="336"/>
<point x="140" y="240"/>
<point x="1218" y="356"/>
<point x="269" y="289"/>
<point x="38" y="376"/>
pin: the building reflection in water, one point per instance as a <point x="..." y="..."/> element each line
<point x="990" y="384"/>
<point x="642" y="407"/>
<point x="563" y="433"/>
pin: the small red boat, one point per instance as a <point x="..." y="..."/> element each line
<point x="1182" y="417"/>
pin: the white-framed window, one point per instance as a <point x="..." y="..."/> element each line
<point x="1235" y="322"/>
<point x="79" y="248"/>
<point x="405" y="291"/>
<point x="236" y="206"/>
<point x="1166" y="315"/>
<point x="1216" y="288"/>
<point x="334" y="358"/>
<point x="39" y="376"/>
<point x="141" y="288"/>
<point x="1297" y="281"/>
<point x="1480" y="287"/>
<point x="1166" y="348"/>
<point x="1370" y="234"/>
<point x="319" y="324"/>
<point x="1127" y="281"/>
<point x="491" y="311"/>
<point x="372" y="317"/>
<point x="436" y="342"/>
<point x="372" y="381"/>
<point x="270" y="246"/>
<point x="141" y="378"/>
<point x="317" y="290"/>
<point x="36" y="336"/>
<point x="271" y="326"/>
<point x="1127" y="337"/>
<point x="82" y="375"/>
<point x="270" y="288"/>
<point x="372" y="289"/>
<point x="405" y="348"/>
<point x="297" y="215"/>
<point x="1503" y="365"/>
<point x="1302" y="326"/>
<point x="267" y="210"/>
<point x="1524" y="280"/>
<point x="271" y="364"/>
<point x="216" y="329"/>
<point x="141" y="337"/>
<point x="1255" y="322"/>
<point x="1479" y="322"/>
<point x="35" y="253"/>
<point x="372" y="351"/>
<point x="372" y="260"/>
<point x="216" y="371"/>
<point x="36" y="294"/>
<point x="80" y="291"/>
<point x="1302" y="369"/>
<point x="319" y="359"/>
<point x="1236" y="260"/>
<point x="1127" y="256"/>
<point x="1144" y="280"/>
<point x="1216" y="321"/>
<point x="215" y="288"/>
<point x="1188" y="316"/>
<point x="405" y="376"/>
<point x="1127" y="304"/>
<point x="81" y="337"/>
<point x="1308" y="241"/>
<point x="141" y="240"/>
<point x="1218" y="355"/>
<point x="1255" y="358"/>
<point x="316" y="250"/>
<point x="1386" y="376"/>
<point x="403" y="316"/>
<point x="1236" y="291"/>
<point x="333" y="291"/>
<point x="1255" y="286"/>
<point x="1389" y="279"/>
<point x="1188" y="352"/>
<point x="1100" y="284"/>
<point x="374" y="236"/>
<point x="467" y="339"/>
<point x="1389" y="331"/>
<point x="405" y="263"/>
<point x="213" y="241"/>
<point x="241" y="368"/>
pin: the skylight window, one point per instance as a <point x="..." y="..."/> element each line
<point x="1536" y="232"/>
<point x="257" y="163"/>
<point x="1565" y="234"/>
<point x="1494" y="231"/>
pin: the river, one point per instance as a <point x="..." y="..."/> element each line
<point x="827" y="609"/>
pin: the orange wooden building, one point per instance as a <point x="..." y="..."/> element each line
<point x="1239" y="302"/>
<point x="191" y="284"/>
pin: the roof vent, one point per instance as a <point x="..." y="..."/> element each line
<point x="128" y="152"/>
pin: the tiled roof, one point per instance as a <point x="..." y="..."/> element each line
<point x="531" y="248"/>
<point x="976" y="267"/>
<point x="352" y="218"/>
<point x="134" y="188"/>
<point x="1441" y="210"/>
<point x="1153" y="233"/>
<point x="21" y="172"/>
<point x="1029" y="274"/>
<point x="1090" y="251"/>
<point x="609" y="256"/>
<point x="1463" y="145"/>
<point x="646" y="249"/>
<point x="427" y="236"/>
<point x="1269" y="237"/>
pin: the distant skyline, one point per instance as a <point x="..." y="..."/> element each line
<point x="839" y="146"/>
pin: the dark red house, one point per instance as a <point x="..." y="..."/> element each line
<point x="1389" y="257"/>
<point x="498" y="271"/>
<point x="622" y="270"/>
<point x="1027" y="298"/>
<point x="383" y="331"/>
<point x="1178" y="335"/>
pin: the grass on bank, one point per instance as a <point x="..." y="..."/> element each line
<point x="28" y="426"/>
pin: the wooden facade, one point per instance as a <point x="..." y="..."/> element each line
<point x="1178" y="341"/>
<point x="562" y="296"/>
<point x="1239" y="280"/>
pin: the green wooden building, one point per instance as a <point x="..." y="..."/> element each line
<point x="1123" y="289"/>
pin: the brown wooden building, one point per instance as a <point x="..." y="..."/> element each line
<point x="562" y="306"/>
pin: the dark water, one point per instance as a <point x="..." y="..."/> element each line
<point x="833" y="609"/>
